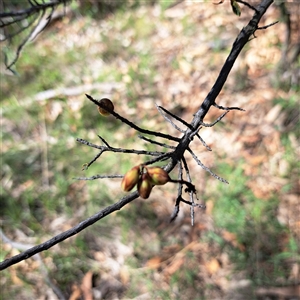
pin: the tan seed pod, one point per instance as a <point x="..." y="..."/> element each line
<point x="105" y="102"/>
<point x="145" y="186"/>
<point x="158" y="176"/>
<point x="131" y="178"/>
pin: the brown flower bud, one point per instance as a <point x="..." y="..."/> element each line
<point x="131" y="178"/>
<point x="105" y="103"/>
<point x="145" y="186"/>
<point x="158" y="175"/>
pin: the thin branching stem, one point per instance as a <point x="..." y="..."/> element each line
<point x="188" y="176"/>
<point x="155" y="142"/>
<point x="98" y="177"/>
<point x="227" y="108"/>
<point x="174" y="156"/>
<point x="248" y="5"/>
<point x="267" y="26"/>
<point x="159" y="108"/>
<point x="132" y="125"/>
<point x="215" y="122"/>
<point x="206" y="168"/>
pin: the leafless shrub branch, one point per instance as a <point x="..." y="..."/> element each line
<point x="32" y="19"/>
<point x="174" y="157"/>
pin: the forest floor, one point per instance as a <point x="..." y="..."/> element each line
<point x="244" y="245"/>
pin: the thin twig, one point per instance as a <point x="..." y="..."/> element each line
<point x="162" y="157"/>
<point x="155" y="142"/>
<point x="108" y="148"/>
<point x="98" y="177"/>
<point x="206" y="168"/>
<point x="176" y="155"/>
<point x="195" y="132"/>
<point x="103" y="141"/>
<point x="227" y="108"/>
<point x="200" y="138"/>
<point x="9" y="36"/>
<point x="267" y="26"/>
<point x="34" y="9"/>
<point x="215" y="122"/>
<point x="132" y="125"/>
<point x="160" y="109"/>
<point x="132" y="151"/>
<point x="66" y="234"/>
<point x="192" y="204"/>
<point x="21" y="46"/>
<point x="248" y="5"/>
<point x="187" y="171"/>
<point x="179" y="194"/>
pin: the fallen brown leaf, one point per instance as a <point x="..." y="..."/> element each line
<point x="86" y="286"/>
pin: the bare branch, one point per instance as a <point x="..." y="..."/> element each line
<point x="241" y="40"/>
<point x="200" y="138"/>
<point x="34" y="17"/>
<point x="267" y="26"/>
<point x="175" y="157"/>
<point x="179" y="194"/>
<point x="169" y="120"/>
<point x="74" y="230"/>
<point x="98" y="177"/>
<point x="227" y="108"/>
<point x="160" y="108"/>
<point x="132" y="125"/>
<point x="206" y="168"/>
<point x="191" y="194"/>
<point x="248" y="5"/>
<point x="215" y="122"/>
<point x="155" y="142"/>
<point x="116" y="150"/>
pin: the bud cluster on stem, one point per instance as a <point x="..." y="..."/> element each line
<point x="145" y="178"/>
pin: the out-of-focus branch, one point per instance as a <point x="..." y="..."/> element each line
<point x="34" y="7"/>
<point x="31" y="19"/>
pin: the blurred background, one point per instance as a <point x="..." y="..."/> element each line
<point x="245" y="245"/>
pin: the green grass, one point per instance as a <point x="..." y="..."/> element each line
<point x="263" y="254"/>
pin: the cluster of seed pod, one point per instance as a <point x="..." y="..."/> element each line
<point x="145" y="178"/>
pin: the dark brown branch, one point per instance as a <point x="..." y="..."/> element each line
<point x="98" y="177"/>
<point x="215" y="122"/>
<point x="160" y="109"/>
<point x="267" y="26"/>
<point x="155" y="142"/>
<point x="187" y="171"/>
<point x="62" y="236"/>
<point x="132" y="125"/>
<point x="187" y="125"/>
<point x="35" y="13"/>
<point x="35" y="8"/>
<point x="227" y="108"/>
<point x="248" y="5"/>
<point x="241" y="40"/>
